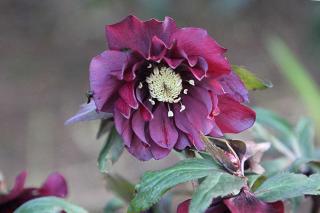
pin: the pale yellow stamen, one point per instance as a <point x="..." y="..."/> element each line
<point x="185" y="91"/>
<point x="164" y="85"/>
<point x="191" y="82"/>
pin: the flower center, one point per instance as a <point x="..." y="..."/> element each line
<point x="165" y="85"/>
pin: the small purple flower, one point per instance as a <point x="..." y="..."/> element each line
<point x="245" y="202"/>
<point x="55" y="185"/>
<point x="166" y="86"/>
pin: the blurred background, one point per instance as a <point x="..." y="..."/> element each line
<point x="45" y="50"/>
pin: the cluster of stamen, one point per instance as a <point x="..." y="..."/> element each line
<point x="165" y="85"/>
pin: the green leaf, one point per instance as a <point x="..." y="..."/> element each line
<point x="262" y="133"/>
<point x="250" y="80"/>
<point x="114" y="205"/>
<point x="314" y="182"/>
<point x="276" y="165"/>
<point x="105" y="126"/>
<point x="154" y="184"/>
<point x="306" y="137"/>
<point x="254" y="181"/>
<point x="284" y="186"/>
<point x="111" y="151"/>
<point x="215" y="185"/>
<point x="120" y="186"/>
<point x="49" y="205"/>
<point x="297" y="75"/>
<point x="274" y="121"/>
<point x="283" y="128"/>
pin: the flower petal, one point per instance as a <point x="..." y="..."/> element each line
<point x="159" y="152"/>
<point x="233" y="85"/>
<point x="197" y="114"/>
<point x="186" y="126"/>
<point x="157" y="49"/>
<point x="16" y="190"/>
<point x="200" y="69"/>
<point x="203" y="96"/>
<point x="55" y="185"/>
<point x="197" y="42"/>
<point x="135" y="34"/>
<point x="87" y="112"/>
<point x="139" y="149"/>
<point x="234" y="117"/>
<point x="123" y="108"/>
<point x="184" y="206"/>
<point x="104" y="71"/>
<point x="128" y="95"/>
<point x="138" y="126"/>
<point x="246" y="202"/>
<point x="123" y="127"/>
<point x="162" y="129"/>
<point x="182" y="142"/>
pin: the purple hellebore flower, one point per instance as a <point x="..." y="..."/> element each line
<point x="245" y="202"/>
<point x="166" y="86"/>
<point x="55" y="185"/>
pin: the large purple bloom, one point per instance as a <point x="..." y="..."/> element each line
<point x="166" y="86"/>
<point x="54" y="185"/>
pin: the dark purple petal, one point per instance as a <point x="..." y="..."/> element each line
<point x="128" y="95"/>
<point x="213" y="85"/>
<point x="202" y="95"/>
<point x="234" y="117"/>
<point x="182" y="142"/>
<point x="184" y="206"/>
<point x="197" y="115"/>
<point x="140" y="150"/>
<point x="87" y="112"/>
<point x="157" y="49"/>
<point x="103" y="81"/>
<point x="159" y="152"/>
<point x="138" y="125"/>
<point x="216" y="131"/>
<point x="186" y="126"/>
<point x="162" y="129"/>
<point x="16" y="190"/>
<point x="135" y="34"/>
<point x="123" y="108"/>
<point x="200" y="69"/>
<point x="217" y="207"/>
<point x="143" y="108"/>
<point x="246" y="202"/>
<point x="233" y="85"/>
<point x="197" y="42"/>
<point x="55" y="185"/>
<point x="123" y="127"/>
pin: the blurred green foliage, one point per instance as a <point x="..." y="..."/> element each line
<point x="297" y="75"/>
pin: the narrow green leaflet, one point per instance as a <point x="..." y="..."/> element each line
<point x="286" y="185"/>
<point x="215" y="185"/>
<point x="306" y="132"/>
<point x="154" y="184"/>
<point x="250" y="80"/>
<point x="49" y="205"/>
<point x="111" y="151"/>
<point x="120" y="186"/>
